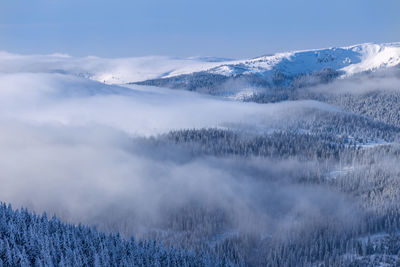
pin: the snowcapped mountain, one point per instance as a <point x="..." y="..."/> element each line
<point x="347" y="60"/>
<point x="344" y="60"/>
<point x="243" y="79"/>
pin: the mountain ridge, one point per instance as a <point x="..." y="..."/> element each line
<point x="346" y="60"/>
<point x="242" y="79"/>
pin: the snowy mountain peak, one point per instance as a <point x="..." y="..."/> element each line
<point x="347" y="60"/>
<point x="374" y="56"/>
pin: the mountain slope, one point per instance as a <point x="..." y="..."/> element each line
<point x="244" y="78"/>
<point x="347" y="60"/>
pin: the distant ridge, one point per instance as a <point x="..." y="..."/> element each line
<point x="347" y="61"/>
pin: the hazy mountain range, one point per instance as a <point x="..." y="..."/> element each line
<point x="345" y="60"/>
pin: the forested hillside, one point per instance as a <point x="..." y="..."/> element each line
<point x="27" y="239"/>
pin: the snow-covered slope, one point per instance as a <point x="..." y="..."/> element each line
<point x="347" y="60"/>
<point x="244" y="79"/>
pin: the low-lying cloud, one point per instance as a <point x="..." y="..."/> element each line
<point x="77" y="148"/>
<point x="56" y="98"/>
<point x="382" y="80"/>
<point x="108" y="70"/>
<point x="101" y="176"/>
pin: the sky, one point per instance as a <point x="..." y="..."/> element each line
<point x="183" y="28"/>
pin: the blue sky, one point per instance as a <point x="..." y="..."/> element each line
<point x="225" y="28"/>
